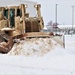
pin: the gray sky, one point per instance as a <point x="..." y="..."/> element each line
<point x="64" y="10"/>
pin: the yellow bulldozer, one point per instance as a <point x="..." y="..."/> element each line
<point x="15" y="22"/>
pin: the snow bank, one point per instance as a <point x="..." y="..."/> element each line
<point x="34" y="46"/>
<point x="56" y="61"/>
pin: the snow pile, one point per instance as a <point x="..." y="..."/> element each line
<point x="34" y="46"/>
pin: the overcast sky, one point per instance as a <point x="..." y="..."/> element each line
<point x="64" y="10"/>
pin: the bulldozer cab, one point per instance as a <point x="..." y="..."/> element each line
<point x="12" y="15"/>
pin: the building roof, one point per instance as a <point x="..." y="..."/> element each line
<point x="14" y="2"/>
<point x="65" y="26"/>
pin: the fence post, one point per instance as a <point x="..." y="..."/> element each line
<point x="63" y="41"/>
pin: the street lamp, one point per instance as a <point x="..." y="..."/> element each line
<point x="73" y="16"/>
<point x="56" y="16"/>
<point x="56" y="13"/>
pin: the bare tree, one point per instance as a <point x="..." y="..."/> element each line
<point x="55" y="25"/>
<point x="49" y="25"/>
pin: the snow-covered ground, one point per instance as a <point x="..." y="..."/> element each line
<point x="55" y="61"/>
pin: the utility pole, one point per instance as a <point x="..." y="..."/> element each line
<point x="73" y="17"/>
<point x="56" y="16"/>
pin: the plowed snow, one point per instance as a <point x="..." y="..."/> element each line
<point x="34" y="46"/>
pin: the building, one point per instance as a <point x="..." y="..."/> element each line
<point x="66" y="26"/>
<point x="30" y="9"/>
<point x="68" y="29"/>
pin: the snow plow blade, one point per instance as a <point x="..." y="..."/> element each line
<point x="5" y="47"/>
<point x="38" y="35"/>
